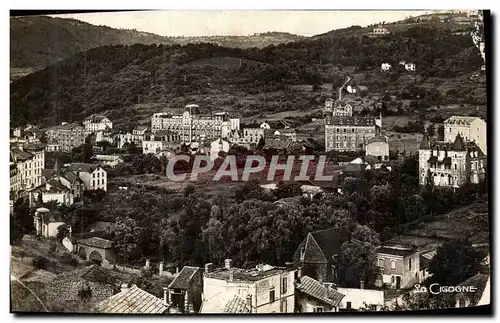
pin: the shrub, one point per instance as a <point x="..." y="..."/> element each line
<point x="40" y="262"/>
<point x="68" y="259"/>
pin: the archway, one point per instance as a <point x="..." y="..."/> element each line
<point x="95" y="258"/>
<point x="82" y="253"/>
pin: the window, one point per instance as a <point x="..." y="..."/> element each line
<point x="349" y="305"/>
<point x="283" y="305"/>
<point x="409" y="264"/>
<point x="93" y="182"/>
<point x="345" y="129"/>
<point x="93" y="175"/>
<point x="455" y="166"/>
<point x="98" y="182"/>
<point x="352" y="130"/>
<point x="271" y="296"/>
<point x="393" y="264"/>
<point x="381" y="262"/>
<point x="392" y="279"/>
<point x="284" y="283"/>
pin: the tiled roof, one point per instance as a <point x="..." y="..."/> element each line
<point x="97" y="242"/>
<point x="47" y="173"/>
<point x="244" y="274"/>
<point x="312" y="287"/>
<point x="276" y="144"/>
<point x="460" y="120"/>
<point x="19" y="154"/>
<point x="70" y="176"/>
<point x="85" y="235"/>
<point x="132" y="300"/>
<point x="105" y="157"/>
<point x="183" y="279"/>
<point x="479" y="281"/>
<point x="82" y="167"/>
<point x="394" y="251"/>
<point x="351" y="121"/>
<point x="236" y="305"/>
<point x="95" y="118"/>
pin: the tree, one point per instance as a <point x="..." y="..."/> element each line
<point x="431" y="130"/>
<point x="21" y="221"/>
<point x="357" y="258"/>
<point x="454" y="262"/>
<point x="261" y="143"/>
<point x="284" y="190"/>
<point x="62" y="232"/>
<point x="127" y="237"/>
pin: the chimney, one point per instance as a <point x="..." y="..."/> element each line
<point x="160" y="268"/>
<point x="227" y="263"/>
<point x="362" y="284"/>
<point x="299" y="273"/>
<point x="249" y="302"/>
<point x="231" y="275"/>
<point x="124" y="287"/>
<point x="209" y="267"/>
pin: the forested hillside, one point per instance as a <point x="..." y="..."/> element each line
<point x="249" y="81"/>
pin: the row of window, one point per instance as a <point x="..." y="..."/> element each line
<point x="393" y="263"/>
<point x="98" y="182"/>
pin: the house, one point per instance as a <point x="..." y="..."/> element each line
<point x="361" y="298"/>
<point x="71" y="181"/>
<point x="311" y="296"/>
<point x="379" y="147"/>
<point x="132" y="300"/>
<point x="137" y="136"/>
<point x="311" y="191"/>
<point x="252" y="134"/>
<point x="29" y="160"/>
<point x="469" y="128"/>
<point x="410" y="67"/>
<point x="70" y="242"/>
<point x="317" y="255"/>
<point x="385" y="67"/>
<point x="96" y="122"/>
<point x="217" y="146"/>
<point x="476" y="291"/>
<point x="451" y="164"/>
<point x="160" y="140"/>
<point x="264" y="125"/>
<point x="290" y="134"/>
<point x="97" y="250"/>
<point x="184" y="292"/>
<point x="52" y="190"/>
<point x="349" y="133"/>
<point x="264" y="289"/>
<point x="93" y="176"/>
<point x="108" y="160"/>
<point x="378" y="31"/>
<point x="47" y="222"/>
<point x="425" y="259"/>
<point x="67" y="136"/>
<point x="399" y="265"/>
<point x="52" y="147"/>
<point x="364" y="163"/>
<point x="91" y="283"/>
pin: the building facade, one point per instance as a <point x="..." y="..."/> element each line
<point x="378" y="147"/>
<point x="193" y="126"/>
<point x="451" y="164"/>
<point x="93" y="176"/>
<point x="29" y="161"/>
<point x="399" y="266"/>
<point x="265" y="289"/>
<point x="349" y="133"/>
<point x="96" y="123"/>
<point x="469" y="128"/>
<point x="67" y="135"/>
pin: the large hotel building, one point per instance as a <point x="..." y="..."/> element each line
<point x="192" y="125"/>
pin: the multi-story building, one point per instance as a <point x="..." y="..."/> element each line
<point x="398" y="265"/>
<point x="290" y="134"/>
<point x="93" y="176"/>
<point x="193" y="126"/>
<point x="96" y="123"/>
<point x="137" y="136"/>
<point x="15" y="183"/>
<point x="67" y="135"/>
<point x="253" y="134"/>
<point x="29" y="160"/>
<point x="349" y="133"/>
<point x="341" y="109"/>
<point x="265" y="289"/>
<point x="469" y="128"/>
<point x="451" y="164"/>
<point x="159" y="141"/>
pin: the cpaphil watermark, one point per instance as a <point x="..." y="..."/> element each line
<point x="436" y="289"/>
<point x="253" y="164"/>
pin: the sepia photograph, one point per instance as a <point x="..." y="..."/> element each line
<point x="229" y="162"/>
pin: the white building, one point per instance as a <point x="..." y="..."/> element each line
<point x="265" y="289"/>
<point x="385" y="67"/>
<point x="108" y="160"/>
<point x="253" y="134"/>
<point x="191" y="125"/>
<point x="379" y="147"/>
<point x="470" y="129"/>
<point x="380" y="31"/>
<point x="411" y="67"/>
<point x="360" y="298"/>
<point x="46" y="223"/>
<point x="52" y="190"/>
<point x="137" y="136"/>
<point x="29" y="160"/>
<point x="217" y="146"/>
<point x="93" y="176"/>
<point x="96" y="123"/>
<point x="451" y="164"/>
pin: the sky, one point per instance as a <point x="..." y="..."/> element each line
<point x="211" y="23"/>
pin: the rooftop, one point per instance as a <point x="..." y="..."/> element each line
<point x="236" y="305"/>
<point x="460" y="120"/>
<point x="132" y="300"/>
<point x="321" y="246"/>
<point x="183" y="279"/>
<point x="351" y="121"/>
<point x="239" y="274"/>
<point x="395" y="251"/>
<point x="314" y="288"/>
<point x="97" y="242"/>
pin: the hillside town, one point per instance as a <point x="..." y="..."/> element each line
<point x="88" y="233"/>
